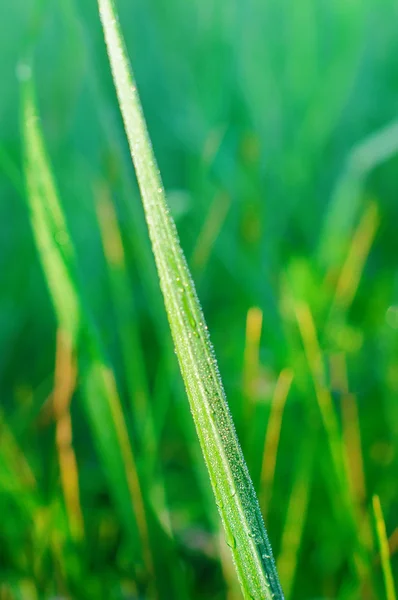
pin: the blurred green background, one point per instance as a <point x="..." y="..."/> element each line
<point x="275" y="126"/>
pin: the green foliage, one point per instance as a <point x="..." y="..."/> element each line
<point x="274" y="127"/>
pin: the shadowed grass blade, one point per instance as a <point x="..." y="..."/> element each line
<point x="232" y="486"/>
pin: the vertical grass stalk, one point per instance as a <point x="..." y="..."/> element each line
<point x="232" y="486"/>
<point x="384" y="549"/>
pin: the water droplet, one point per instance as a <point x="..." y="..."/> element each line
<point x="230" y="539"/>
<point x="232" y="492"/>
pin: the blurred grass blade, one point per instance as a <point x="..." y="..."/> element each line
<point x="251" y="376"/>
<point x="17" y="479"/>
<point x="314" y="357"/>
<point x="125" y="318"/>
<point x="254" y="322"/>
<point x="209" y="233"/>
<point x="48" y="224"/>
<point x="102" y="402"/>
<point x="64" y="387"/>
<point x="296" y="516"/>
<point x="131" y="348"/>
<point x="354" y="263"/>
<point x="272" y="436"/>
<point x="351" y="433"/>
<point x="384" y="549"/>
<point x="393" y="542"/>
<point x="312" y="350"/>
<point x="232" y="486"/>
<point x="346" y="201"/>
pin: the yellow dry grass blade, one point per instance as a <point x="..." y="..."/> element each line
<point x="272" y="436"/>
<point x="64" y="386"/>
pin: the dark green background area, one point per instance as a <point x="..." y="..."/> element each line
<point x="280" y="119"/>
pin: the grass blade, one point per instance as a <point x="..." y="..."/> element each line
<point x="272" y="436"/>
<point x="100" y="393"/>
<point x="232" y="486"/>
<point x="296" y="516"/>
<point x="354" y="263"/>
<point x="384" y="549"/>
<point x="64" y="386"/>
<point x="210" y="231"/>
<point x="126" y="320"/>
<point x="254" y="322"/>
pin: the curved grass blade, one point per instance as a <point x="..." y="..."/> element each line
<point x="232" y="486"/>
<point x="100" y="394"/>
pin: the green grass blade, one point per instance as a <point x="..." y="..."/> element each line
<point x="384" y="550"/>
<point x="100" y="393"/>
<point x="135" y="373"/>
<point x="232" y="486"/>
<point x="296" y="516"/>
<point x="48" y="223"/>
<point x="125" y="317"/>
